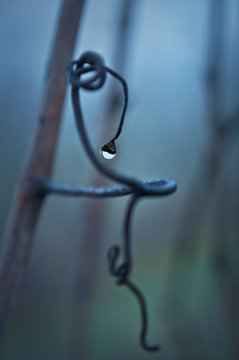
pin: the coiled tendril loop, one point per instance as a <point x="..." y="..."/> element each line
<point x="92" y="64"/>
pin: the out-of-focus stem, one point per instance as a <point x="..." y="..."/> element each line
<point x="88" y="248"/>
<point x="201" y="194"/>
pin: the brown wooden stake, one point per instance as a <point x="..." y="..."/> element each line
<point x="40" y="160"/>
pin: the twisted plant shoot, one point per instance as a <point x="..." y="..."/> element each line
<point x="93" y="64"/>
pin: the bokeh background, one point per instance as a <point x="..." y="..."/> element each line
<point x="180" y="59"/>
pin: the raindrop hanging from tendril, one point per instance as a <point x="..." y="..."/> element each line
<point x="108" y="151"/>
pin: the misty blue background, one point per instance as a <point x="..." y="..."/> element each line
<point x="166" y="134"/>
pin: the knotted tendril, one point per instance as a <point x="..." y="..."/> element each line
<point x="89" y="72"/>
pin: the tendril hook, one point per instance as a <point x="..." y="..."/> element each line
<point x="92" y="64"/>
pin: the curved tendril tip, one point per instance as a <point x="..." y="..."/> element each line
<point x="92" y="64"/>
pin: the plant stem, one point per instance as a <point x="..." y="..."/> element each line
<point x="40" y="160"/>
<point x="88" y="246"/>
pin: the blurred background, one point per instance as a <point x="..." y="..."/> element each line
<point x="180" y="60"/>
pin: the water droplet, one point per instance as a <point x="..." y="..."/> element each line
<point x="108" y="151"/>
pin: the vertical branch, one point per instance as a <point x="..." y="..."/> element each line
<point x="88" y="248"/>
<point x="199" y="199"/>
<point x="39" y="163"/>
<point x="202" y="192"/>
<point x="217" y="118"/>
<point x="226" y="276"/>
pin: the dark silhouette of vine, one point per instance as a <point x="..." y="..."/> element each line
<point x="93" y="65"/>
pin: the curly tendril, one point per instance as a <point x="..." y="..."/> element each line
<point x="92" y="64"/>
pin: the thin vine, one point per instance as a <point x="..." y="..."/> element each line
<point x="92" y="64"/>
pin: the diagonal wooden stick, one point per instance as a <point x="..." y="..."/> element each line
<point x="39" y="163"/>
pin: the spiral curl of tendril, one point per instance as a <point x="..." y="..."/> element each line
<point x="92" y="64"/>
